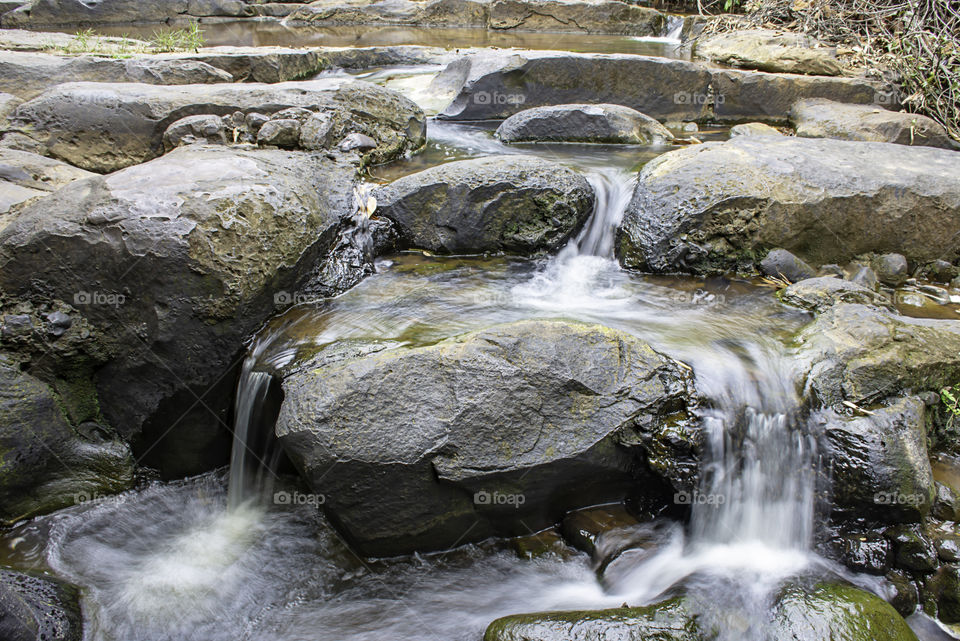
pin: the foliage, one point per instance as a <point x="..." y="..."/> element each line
<point x="88" y="42"/>
<point x="950" y="396"/>
<point x="189" y="39"/>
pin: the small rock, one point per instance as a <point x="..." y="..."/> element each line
<point x="254" y="121"/>
<point x="941" y="271"/>
<point x="818" y="293"/>
<point x="16" y="325"/>
<point x="753" y="129"/>
<point x="781" y="263"/>
<point x="914" y="550"/>
<point x="831" y="270"/>
<point x="945" y="504"/>
<point x="948" y="546"/>
<point x="867" y="277"/>
<point x="193" y="128"/>
<point x="59" y="323"/>
<point x="945" y="586"/>
<point x="906" y="596"/>
<point x="891" y="268"/>
<point x="864" y="552"/>
<point x="293" y="113"/>
<point x="283" y="133"/>
<point x="316" y="131"/>
<point x="361" y="142"/>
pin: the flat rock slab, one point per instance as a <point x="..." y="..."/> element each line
<point x="514" y="204"/>
<point x="590" y="16"/>
<point x="69" y="13"/>
<point x="499" y="84"/>
<point x="511" y="425"/>
<point x="174" y="262"/>
<point x="27" y="75"/>
<point x="24" y="176"/>
<point x="766" y="50"/>
<point x="603" y="123"/>
<point x="108" y="126"/>
<point x="817" y="118"/>
<point x="826" y="201"/>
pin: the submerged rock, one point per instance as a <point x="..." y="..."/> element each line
<point x="45" y="464"/>
<point x="878" y="463"/>
<point x="38" y="608"/>
<point x="814" y="198"/>
<point x="514" y="204"/>
<point x="583" y="123"/>
<point x="175" y="262"/>
<point x="494" y="432"/>
<point x="499" y="84"/>
<point x="770" y="51"/>
<point x="108" y="126"/>
<point x="818" y="118"/>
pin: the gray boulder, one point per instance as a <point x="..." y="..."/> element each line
<point x="69" y="13"/>
<point x="826" y="201"/>
<point x="175" y="262"/>
<point x="878" y="463"/>
<point x="767" y="50"/>
<point x="192" y="129"/>
<point x="24" y="176"/>
<point x="503" y="431"/>
<point x="583" y="123"/>
<point x="46" y="464"/>
<point x="36" y="607"/>
<point x="515" y="204"/>
<point x="753" y="129"/>
<point x="27" y="75"/>
<point x="499" y="84"/>
<point x="822" y="292"/>
<point x="108" y="126"/>
<point x="818" y="118"/>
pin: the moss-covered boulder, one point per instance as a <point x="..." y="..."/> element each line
<point x="665" y="621"/>
<point x="38" y="608"/>
<point x="174" y="263"/>
<point x="494" y="432"/>
<point x="512" y="204"/>
<point x="827" y="201"/>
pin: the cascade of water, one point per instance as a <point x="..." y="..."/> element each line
<point x="673" y="28"/>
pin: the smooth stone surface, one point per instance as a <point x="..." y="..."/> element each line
<point x="827" y="201"/>
<point x="583" y="123"/>
<point x="767" y="50"/>
<point x="753" y="129"/>
<point x="780" y="263"/>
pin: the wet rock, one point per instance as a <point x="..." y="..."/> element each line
<point x="175" y="262"/>
<point x="105" y="127"/>
<point x="947" y="544"/>
<point x="583" y="528"/>
<point x="508" y="428"/>
<point x="780" y="263"/>
<point x="867" y="552"/>
<point x="59" y="323"/>
<point x="818" y="118"/>
<point x="514" y="204"/>
<point x="192" y="129"/>
<point x="687" y="217"/>
<point x="817" y="294"/>
<point x="34" y="607"/>
<point x="27" y="75"/>
<point x="583" y="123"/>
<point x="864" y="354"/>
<point x="946" y="505"/>
<point x="865" y="277"/>
<point x="357" y="141"/>
<point x="539" y="544"/>
<point x="945" y="587"/>
<point x="906" y="597"/>
<point x="837" y="611"/>
<point x="25" y="176"/>
<point x="941" y="271"/>
<point x="46" y="465"/>
<point x="891" y="269"/>
<point x="912" y="548"/>
<point x="590" y="16"/>
<point x="753" y="129"/>
<point x="879" y="463"/>
<point x="668" y="620"/>
<point x="283" y="133"/>
<point x="499" y="84"/>
<point x="768" y="50"/>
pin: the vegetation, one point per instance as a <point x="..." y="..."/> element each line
<point x="88" y="42"/>
<point x="918" y="40"/>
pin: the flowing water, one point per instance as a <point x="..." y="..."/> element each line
<point x="214" y="558"/>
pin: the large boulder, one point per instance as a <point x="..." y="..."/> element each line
<point x="70" y="13"/>
<point x="176" y="261"/>
<point x="46" y="463"/>
<point x="514" y="204"/>
<point x="108" y="126"/>
<point x="863" y="354"/>
<point x="818" y="118"/>
<point x="29" y="74"/>
<point x="24" y="176"/>
<point x="826" y="201"/>
<point x="767" y="50"/>
<point x="499" y="84"/>
<point x="498" y="431"/>
<point x="34" y="607"/>
<point x="590" y="16"/>
<point x="878" y="462"/>
<point x="583" y="123"/>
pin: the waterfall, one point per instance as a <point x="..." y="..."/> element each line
<point x="674" y="28"/>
